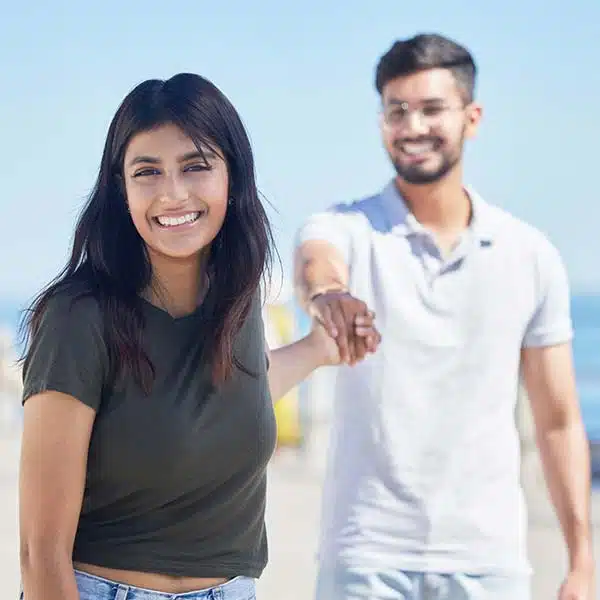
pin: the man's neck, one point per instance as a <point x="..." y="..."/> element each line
<point x="443" y="207"/>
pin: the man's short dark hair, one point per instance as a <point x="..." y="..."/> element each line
<point x="428" y="51"/>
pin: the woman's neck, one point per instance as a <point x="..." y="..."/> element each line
<point x="178" y="286"/>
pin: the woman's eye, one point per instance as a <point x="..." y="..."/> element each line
<point x="198" y="167"/>
<point x="146" y="172"/>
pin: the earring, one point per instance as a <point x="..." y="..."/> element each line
<point x="230" y="201"/>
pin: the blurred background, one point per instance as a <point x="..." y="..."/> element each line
<point x="301" y="75"/>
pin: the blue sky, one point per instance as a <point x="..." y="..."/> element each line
<point x="301" y="76"/>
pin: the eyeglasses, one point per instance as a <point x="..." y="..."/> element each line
<point x="429" y="115"/>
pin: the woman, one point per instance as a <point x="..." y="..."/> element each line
<point x="148" y="421"/>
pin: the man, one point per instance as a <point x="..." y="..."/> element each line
<point x="422" y="498"/>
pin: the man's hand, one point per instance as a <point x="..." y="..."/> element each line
<point x="326" y="349"/>
<point x="337" y="313"/>
<point x="549" y="377"/>
<point x="579" y="585"/>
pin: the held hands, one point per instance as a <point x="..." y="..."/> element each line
<point x="343" y="328"/>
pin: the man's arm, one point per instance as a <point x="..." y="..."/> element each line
<point x="319" y="267"/>
<point x="550" y="382"/>
<point x="321" y="277"/>
<point x="549" y="376"/>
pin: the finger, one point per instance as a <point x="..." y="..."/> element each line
<point x="370" y="338"/>
<point x="372" y="343"/>
<point x="363" y="326"/>
<point x="337" y="317"/>
<point x="348" y="316"/>
<point x="366" y="316"/>
<point x="354" y="343"/>
<point x="364" y="331"/>
<point x="376" y="341"/>
<point x="363" y="321"/>
<point x="360" y="348"/>
<point x="352" y="309"/>
<point x="371" y="346"/>
<point x="325" y="317"/>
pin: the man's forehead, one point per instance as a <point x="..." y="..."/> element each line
<point x="423" y="85"/>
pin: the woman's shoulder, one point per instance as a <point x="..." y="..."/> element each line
<point x="66" y="349"/>
<point x="74" y="304"/>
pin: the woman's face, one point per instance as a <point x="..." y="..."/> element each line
<point x="177" y="200"/>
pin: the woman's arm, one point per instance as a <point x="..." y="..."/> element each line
<point x="291" y="364"/>
<point x="56" y="436"/>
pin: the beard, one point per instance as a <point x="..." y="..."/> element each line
<point x="416" y="174"/>
<point x="421" y="175"/>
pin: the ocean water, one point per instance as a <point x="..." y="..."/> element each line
<point x="585" y="311"/>
<point x="586" y="347"/>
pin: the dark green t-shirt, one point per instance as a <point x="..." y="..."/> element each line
<point x="176" y="480"/>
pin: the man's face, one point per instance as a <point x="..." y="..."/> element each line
<point x="425" y="123"/>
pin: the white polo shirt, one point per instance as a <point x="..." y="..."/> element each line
<point x="424" y="466"/>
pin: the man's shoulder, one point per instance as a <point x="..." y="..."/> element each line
<point x="516" y="230"/>
<point x="358" y="215"/>
<point x="364" y="206"/>
<point x="529" y="246"/>
<point x="350" y="217"/>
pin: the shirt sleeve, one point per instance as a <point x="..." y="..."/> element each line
<point x="551" y="322"/>
<point x="67" y="352"/>
<point x="329" y="226"/>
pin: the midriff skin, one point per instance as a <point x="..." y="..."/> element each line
<point x="152" y="581"/>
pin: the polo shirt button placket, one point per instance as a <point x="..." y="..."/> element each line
<point x="430" y="258"/>
<point x="122" y="592"/>
<point x="216" y="593"/>
<point x="433" y="586"/>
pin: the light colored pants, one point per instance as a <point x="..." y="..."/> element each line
<point x="91" y="587"/>
<point x="370" y="584"/>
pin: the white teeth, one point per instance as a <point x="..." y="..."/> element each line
<point x="417" y="148"/>
<point x="174" y="221"/>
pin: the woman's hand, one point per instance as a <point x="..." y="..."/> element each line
<point x="327" y="347"/>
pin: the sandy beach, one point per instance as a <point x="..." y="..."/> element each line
<point x="293" y="517"/>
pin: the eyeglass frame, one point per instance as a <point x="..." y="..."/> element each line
<point x="440" y="111"/>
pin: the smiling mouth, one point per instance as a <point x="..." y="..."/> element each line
<point x="186" y="219"/>
<point x="417" y="148"/>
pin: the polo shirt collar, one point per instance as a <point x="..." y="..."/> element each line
<point x="403" y="222"/>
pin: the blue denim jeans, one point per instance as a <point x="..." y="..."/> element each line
<point x="371" y="584"/>
<point x="97" y="588"/>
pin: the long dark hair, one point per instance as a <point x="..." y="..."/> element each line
<point x="109" y="260"/>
